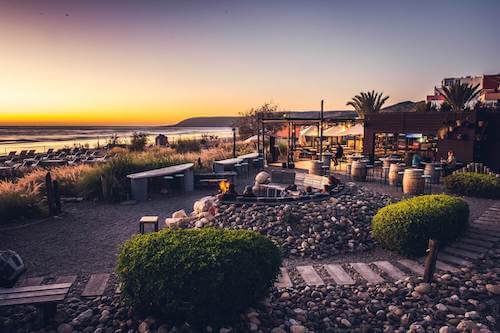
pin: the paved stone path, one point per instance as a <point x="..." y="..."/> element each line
<point x="483" y="234"/>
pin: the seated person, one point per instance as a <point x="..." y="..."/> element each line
<point x="416" y="162"/>
<point x="450" y="163"/>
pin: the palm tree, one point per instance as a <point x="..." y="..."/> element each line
<point x="458" y="95"/>
<point x="367" y="102"/>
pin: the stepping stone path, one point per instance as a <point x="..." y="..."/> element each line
<point x="483" y="234"/>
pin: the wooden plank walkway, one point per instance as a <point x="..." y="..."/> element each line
<point x="66" y="279"/>
<point x="310" y="276"/>
<point x="412" y="265"/>
<point x="32" y="281"/>
<point x="391" y="270"/>
<point x="454" y="260"/>
<point x="339" y="275"/>
<point x="445" y="267"/>
<point x="366" y="272"/>
<point x="463" y="253"/>
<point x="96" y="285"/>
<point x="284" y="279"/>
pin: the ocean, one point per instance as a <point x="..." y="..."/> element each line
<point x="41" y="138"/>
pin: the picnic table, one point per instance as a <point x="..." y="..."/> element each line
<point x="139" y="181"/>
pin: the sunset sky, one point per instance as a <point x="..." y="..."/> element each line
<point x="157" y="62"/>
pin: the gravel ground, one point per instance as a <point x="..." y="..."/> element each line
<point x="466" y="301"/>
<point x="86" y="237"/>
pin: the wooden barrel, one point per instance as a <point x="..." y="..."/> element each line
<point x="315" y="168"/>
<point x="430" y="170"/>
<point x="394" y="177"/>
<point x="358" y="171"/>
<point x="413" y="183"/>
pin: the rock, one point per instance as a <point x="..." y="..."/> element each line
<point x="472" y="315"/>
<point x="85" y="316"/>
<point x="445" y="329"/>
<point x="278" y="330"/>
<point x="346" y="323"/>
<point x="64" y="328"/>
<point x="179" y="214"/>
<point x="494" y="289"/>
<point x="297" y="329"/>
<point x="423" y="288"/>
<point x="441" y="307"/>
<point x="467" y="326"/>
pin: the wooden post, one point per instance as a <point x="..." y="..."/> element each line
<point x="430" y="260"/>
<point x="57" y="197"/>
<point x="320" y="130"/>
<point x="50" y="194"/>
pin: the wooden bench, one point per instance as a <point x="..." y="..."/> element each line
<point x="45" y="297"/>
<point x="139" y="181"/>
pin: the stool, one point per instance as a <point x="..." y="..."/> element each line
<point x="439" y="170"/>
<point x="369" y="171"/>
<point x="148" y="220"/>
<point x="428" y="184"/>
<point x="385" y="171"/>
<point x="179" y="179"/>
<point x="326" y="170"/>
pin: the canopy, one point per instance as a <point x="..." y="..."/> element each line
<point x="334" y="131"/>
<point x="309" y="131"/>
<point x="251" y="139"/>
<point x="357" y="129"/>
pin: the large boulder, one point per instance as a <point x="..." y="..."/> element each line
<point x="262" y="177"/>
<point x="179" y="214"/>
<point x="204" y="204"/>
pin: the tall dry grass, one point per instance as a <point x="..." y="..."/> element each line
<point x="18" y="202"/>
<point x="68" y="177"/>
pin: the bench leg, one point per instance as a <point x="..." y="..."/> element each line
<point x="47" y="312"/>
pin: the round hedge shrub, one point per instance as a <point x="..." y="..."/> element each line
<point x="201" y="276"/>
<point x="473" y="184"/>
<point x="407" y="226"/>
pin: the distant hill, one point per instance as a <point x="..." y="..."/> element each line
<point x="207" y="122"/>
<point x="406" y="106"/>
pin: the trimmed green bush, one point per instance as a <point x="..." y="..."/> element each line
<point x="407" y="226"/>
<point x="473" y="184"/>
<point x="202" y="276"/>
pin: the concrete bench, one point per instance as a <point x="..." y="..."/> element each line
<point x="226" y="165"/>
<point x="208" y="178"/>
<point x="139" y="181"/>
<point x="45" y="297"/>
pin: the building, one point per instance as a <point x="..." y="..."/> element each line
<point x="488" y="84"/>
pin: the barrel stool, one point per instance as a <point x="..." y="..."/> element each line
<point x="413" y="182"/>
<point x="358" y="171"/>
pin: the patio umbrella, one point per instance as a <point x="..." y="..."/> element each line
<point x="309" y="131"/>
<point x="356" y="130"/>
<point x="334" y="131"/>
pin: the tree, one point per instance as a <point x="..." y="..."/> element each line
<point x="248" y="122"/>
<point x="367" y="102"/>
<point x="458" y="95"/>
<point x="138" y="141"/>
<point x="424" y="107"/>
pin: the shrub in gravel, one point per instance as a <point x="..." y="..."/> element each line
<point x="473" y="184"/>
<point x="202" y="276"/>
<point x="407" y="226"/>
